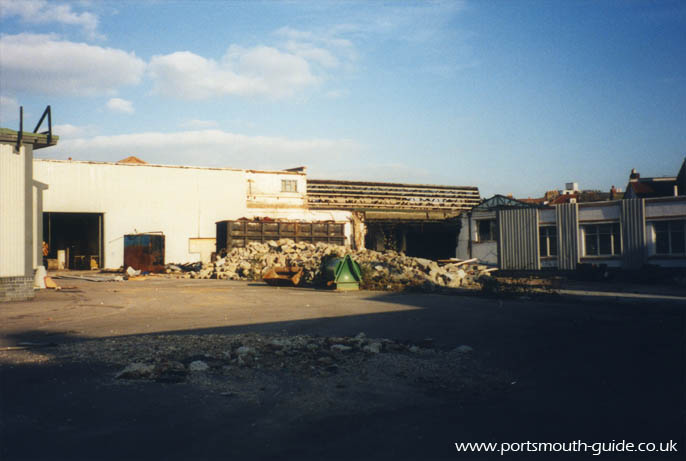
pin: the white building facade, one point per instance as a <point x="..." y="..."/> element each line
<point x="626" y="234"/>
<point x="90" y="206"/>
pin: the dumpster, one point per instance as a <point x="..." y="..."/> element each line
<point x="343" y="273"/>
<point x="144" y="252"/>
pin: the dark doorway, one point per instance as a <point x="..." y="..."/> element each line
<point x="78" y="234"/>
<point x="431" y="240"/>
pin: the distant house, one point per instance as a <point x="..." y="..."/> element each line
<point x="656" y="187"/>
<point x="572" y="194"/>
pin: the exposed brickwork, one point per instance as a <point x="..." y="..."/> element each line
<point x="16" y="288"/>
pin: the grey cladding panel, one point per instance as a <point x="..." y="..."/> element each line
<point x="518" y="238"/>
<point x="633" y="233"/>
<point x="567" y="217"/>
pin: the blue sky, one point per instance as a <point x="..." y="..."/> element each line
<point x="510" y="96"/>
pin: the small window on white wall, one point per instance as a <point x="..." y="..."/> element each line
<point x="289" y="185"/>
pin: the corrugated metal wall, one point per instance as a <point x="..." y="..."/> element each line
<point x="12" y="212"/>
<point x="518" y="239"/>
<point x="567" y="217"/>
<point x="633" y="233"/>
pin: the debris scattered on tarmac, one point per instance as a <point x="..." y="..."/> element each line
<point x="242" y="364"/>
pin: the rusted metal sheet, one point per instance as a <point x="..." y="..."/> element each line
<point x="144" y="252"/>
<point x="358" y="195"/>
<point x="237" y="234"/>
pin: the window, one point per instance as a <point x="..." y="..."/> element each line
<point x="289" y="185"/>
<point x="488" y="231"/>
<point x="602" y="240"/>
<point x="547" y="240"/>
<point x="669" y="237"/>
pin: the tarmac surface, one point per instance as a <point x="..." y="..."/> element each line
<point x="576" y="367"/>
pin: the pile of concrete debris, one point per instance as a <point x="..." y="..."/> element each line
<point x="387" y="271"/>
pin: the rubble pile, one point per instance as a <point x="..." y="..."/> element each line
<point x="304" y="374"/>
<point x="389" y="270"/>
<point x="173" y="358"/>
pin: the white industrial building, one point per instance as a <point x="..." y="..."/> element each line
<point x="90" y="206"/>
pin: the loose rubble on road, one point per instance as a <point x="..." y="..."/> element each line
<point x="309" y="369"/>
<point x="382" y="271"/>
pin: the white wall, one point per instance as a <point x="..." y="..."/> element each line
<point x="16" y="237"/>
<point x="184" y="203"/>
<point x="547" y="216"/>
<point x="486" y="252"/>
<point x="600" y="213"/>
<point x="181" y="202"/>
<point x="264" y="189"/>
<point x="665" y="209"/>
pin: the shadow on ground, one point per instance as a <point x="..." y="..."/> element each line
<point x="588" y="371"/>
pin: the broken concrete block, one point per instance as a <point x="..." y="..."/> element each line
<point x="373" y="348"/>
<point x="340" y="348"/>
<point x="136" y="370"/>
<point x="198" y="366"/>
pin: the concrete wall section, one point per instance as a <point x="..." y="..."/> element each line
<point x="181" y="202"/>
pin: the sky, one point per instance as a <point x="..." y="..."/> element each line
<point x="514" y="97"/>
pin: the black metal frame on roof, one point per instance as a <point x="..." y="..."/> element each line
<point x="47" y="112"/>
<point x="20" y="135"/>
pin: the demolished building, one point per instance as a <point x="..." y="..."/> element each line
<point x="415" y="219"/>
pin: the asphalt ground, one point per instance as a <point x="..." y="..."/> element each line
<point x="568" y="368"/>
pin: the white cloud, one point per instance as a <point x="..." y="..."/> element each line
<point x="262" y="70"/>
<point x="67" y="130"/>
<point x="326" y="49"/>
<point x="199" y="124"/>
<point x="42" y="12"/>
<point x="120" y="105"/>
<point x="9" y="111"/>
<point x="46" y="64"/>
<point x="208" y="148"/>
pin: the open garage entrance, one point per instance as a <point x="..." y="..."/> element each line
<point x="432" y="240"/>
<point x="75" y="238"/>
